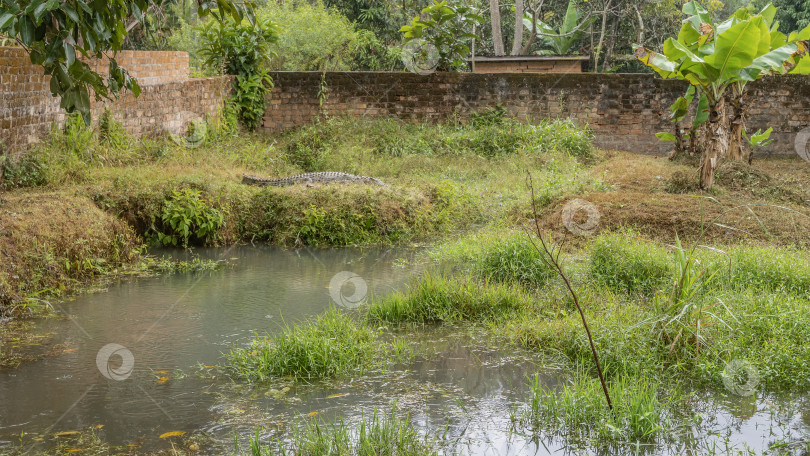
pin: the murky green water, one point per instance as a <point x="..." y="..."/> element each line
<point x="456" y="386"/>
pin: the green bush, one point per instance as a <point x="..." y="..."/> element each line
<point x="330" y="345"/>
<point x="624" y="263"/>
<point x="311" y="37"/>
<point x="187" y="218"/>
<point x="242" y="50"/>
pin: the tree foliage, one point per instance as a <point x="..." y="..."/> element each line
<point x="243" y="50"/>
<point x="60" y="35"/>
<point x="447" y="26"/>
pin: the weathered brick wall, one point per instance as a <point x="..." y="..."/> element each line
<point x="149" y="67"/>
<point x="168" y="100"/>
<point x="625" y="111"/>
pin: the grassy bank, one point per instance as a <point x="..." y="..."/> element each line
<point x="115" y="193"/>
<point x="654" y="310"/>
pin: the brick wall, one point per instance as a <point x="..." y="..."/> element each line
<point x="168" y="100"/>
<point x="625" y="111"/>
<point x="149" y="67"/>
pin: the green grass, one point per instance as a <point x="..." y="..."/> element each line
<point x="382" y="434"/>
<point x="769" y="269"/>
<point x="442" y="300"/>
<point x="496" y="257"/>
<point x="328" y="346"/>
<point x="580" y="411"/>
<point x="626" y="264"/>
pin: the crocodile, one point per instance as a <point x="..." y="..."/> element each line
<point x="311" y="178"/>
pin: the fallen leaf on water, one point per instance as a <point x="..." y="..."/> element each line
<point x="171" y="434"/>
<point x="162" y="372"/>
<point x="133" y="445"/>
<point x="67" y="433"/>
<point x="193" y="447"/>
<point x="208" y="367"/>
<point x="98" y="426"/>
<point x="69" y="350"/>
<point x="162" y="380"/>
<point x="312" y="413"/>
<point x="337" y="395"/>
<point x="39" y="439"/>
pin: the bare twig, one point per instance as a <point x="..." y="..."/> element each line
<point x="552" y="258"/>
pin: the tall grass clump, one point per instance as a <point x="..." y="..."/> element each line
<point x="436" y="300"/>
<point x="579" y="410"/>
<point x="496" y="258"/>
<point x="770" y="269"/>
<point x="626" y="264"/>
<point x="383" y="434"/>
<point x="331" y="345"/>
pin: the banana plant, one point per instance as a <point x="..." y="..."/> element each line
<point x="719" y="60"/>
<point x="679" y="110"/>
<point x="560" y="42"/>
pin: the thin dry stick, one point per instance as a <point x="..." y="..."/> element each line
<point x="552" y="260"/>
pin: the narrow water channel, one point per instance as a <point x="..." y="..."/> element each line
<point x="175" y="326"/>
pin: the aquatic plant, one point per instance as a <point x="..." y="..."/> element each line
<point x="330" y="345"/>
<point x="382" y="434"/>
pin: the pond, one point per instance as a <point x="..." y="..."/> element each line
<point x="172" y="329"/>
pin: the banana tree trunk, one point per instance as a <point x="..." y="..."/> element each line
<point x="716" y="142"/>
<point x="737" y="150"/>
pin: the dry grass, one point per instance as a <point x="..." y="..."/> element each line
<point x="775" y="189"/>
<point x="50" y="239"/>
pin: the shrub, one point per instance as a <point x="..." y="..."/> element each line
<point x="311" y="37"/>
<point x="242" y="50"/>
<point x="187" y="217"/>
<point x="623" y="263"/>
<point x="330" y="345"/>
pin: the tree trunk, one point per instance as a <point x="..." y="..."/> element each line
<point x="497" y="36"/>
<point x="694" y="134"/>
<point x="517" y="42"/>
<point x="598" y="50"/>
<point x="680" y="148"/>
<point x="716" y="143"/>
<point x="736" y="146"/>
